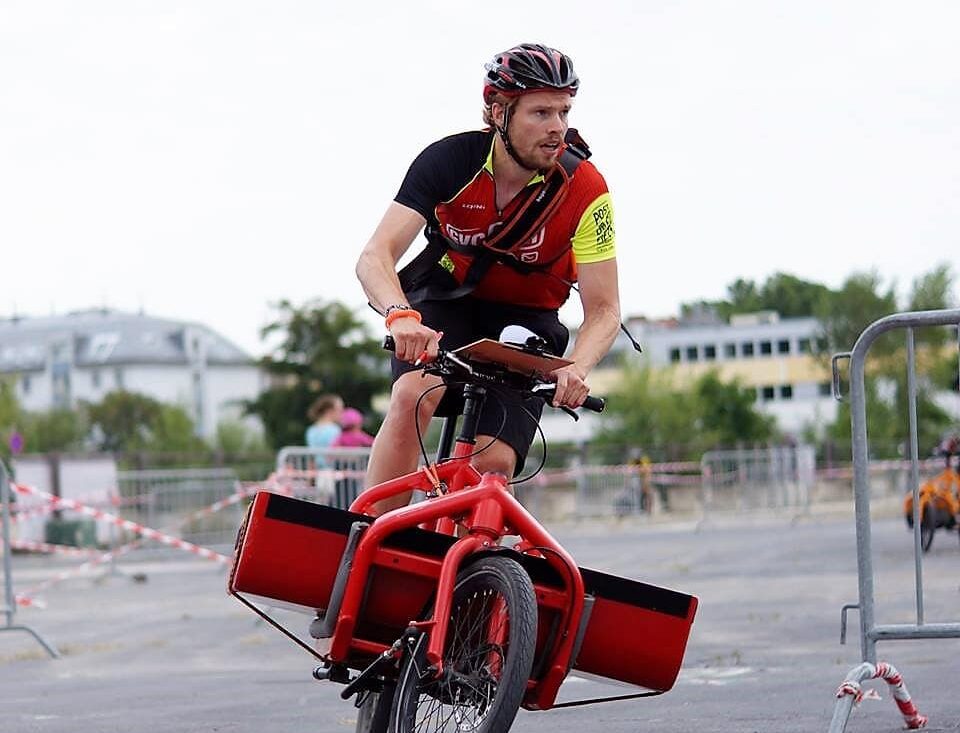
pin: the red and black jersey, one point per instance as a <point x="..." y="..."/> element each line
<point x="451" y="185"/>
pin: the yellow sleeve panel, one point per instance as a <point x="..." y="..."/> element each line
<point x="595" y="239"/>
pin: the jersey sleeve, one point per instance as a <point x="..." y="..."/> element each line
<point x="594" y="239"/>
<point x="440" y="171"/>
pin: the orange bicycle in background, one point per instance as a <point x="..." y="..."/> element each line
<point x="939" y="497"/>
<point x="424" y="615"/>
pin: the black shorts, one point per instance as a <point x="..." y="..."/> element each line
<point x="467" y="319"/>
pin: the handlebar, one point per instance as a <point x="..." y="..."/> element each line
<point x="447" y="363"/>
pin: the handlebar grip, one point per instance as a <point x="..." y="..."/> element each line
<point x="594" y="404"/>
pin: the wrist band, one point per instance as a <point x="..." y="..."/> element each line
<point x="398" y="306"/>
<point x="402" y="313"/>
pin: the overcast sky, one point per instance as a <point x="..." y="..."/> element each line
<point x="203" y="159"/>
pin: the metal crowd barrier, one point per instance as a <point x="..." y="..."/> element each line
<point x="9" y="603"/>
<point x="774" y="478"/>
<point x="173" y="500"/>
<point x="870" y="631"/>
<point x="334" y="475"/>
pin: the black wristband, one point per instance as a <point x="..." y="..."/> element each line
<point x="396" y="307"/>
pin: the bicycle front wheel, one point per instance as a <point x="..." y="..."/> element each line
<point x="487" y="656"/>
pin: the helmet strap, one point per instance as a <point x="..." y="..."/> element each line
<point x="505" y="136"/>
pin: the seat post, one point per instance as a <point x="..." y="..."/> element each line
<point x="446" y="437"/>
<point x="473" y="399"/>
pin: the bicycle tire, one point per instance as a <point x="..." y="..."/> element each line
<point x="928" y="525"/>
<point x="483" y="682"/>
<point x="373" y="714"/>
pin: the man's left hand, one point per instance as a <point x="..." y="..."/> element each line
<point x="572" y="390"/>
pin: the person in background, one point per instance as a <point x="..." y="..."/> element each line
<point x="352" y="434"/>
<point x="345" y="489"/>
<point x="324" y="414"/>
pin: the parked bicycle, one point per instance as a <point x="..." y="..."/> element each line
<point x="424" y="615"/>
<point x="939" y="497"/>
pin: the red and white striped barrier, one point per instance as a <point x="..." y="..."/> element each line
<point x="52" y="549"/>
<point x="887" y="672"/>
<point x="139" y="529"/>
<point x="28" y="597"/>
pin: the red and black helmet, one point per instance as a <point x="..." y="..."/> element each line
<point x="529" y="67"/>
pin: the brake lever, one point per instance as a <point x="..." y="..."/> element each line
<point x="571" y="412"/>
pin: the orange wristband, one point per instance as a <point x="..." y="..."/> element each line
<point x="402" y="313"/>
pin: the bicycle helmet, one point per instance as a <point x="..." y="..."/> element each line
<point x="529" y="67"/>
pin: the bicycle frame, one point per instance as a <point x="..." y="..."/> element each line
<point x="484" y="507"/>
<point x="371" y="581"/>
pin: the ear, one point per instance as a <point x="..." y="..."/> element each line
<point x="497" y="111"/>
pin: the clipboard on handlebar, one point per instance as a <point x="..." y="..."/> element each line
<point x="514" y="357"/>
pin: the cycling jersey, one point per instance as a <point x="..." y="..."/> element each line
<point x="451" y="185"/>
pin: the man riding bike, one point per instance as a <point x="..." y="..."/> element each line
<point x="513" y="216"/>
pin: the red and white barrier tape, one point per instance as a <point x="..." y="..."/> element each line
<point x="889" y="673"/>
<point x="139" y="529"/>
<point x="28" y="597"/>
<point x="50" y="549"/>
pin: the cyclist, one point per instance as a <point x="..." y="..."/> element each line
<point x="513" y="215"/>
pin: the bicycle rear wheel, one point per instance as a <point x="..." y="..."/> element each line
<point x="486" y="661"/>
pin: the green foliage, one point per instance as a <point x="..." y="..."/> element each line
<point x="788" y="295"/>
<point x="56" y="430"/>
<point x="235" y="439"/>
<point x="128" y="422"/>
<point x="728" y="413"/>
<point x="648" y="411"/>
<point x="845" y="313"/>
<point x="325" y="347"/>
<point x="11" y="415"/>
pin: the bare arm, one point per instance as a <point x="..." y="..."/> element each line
<point x="601" y="320"/>
<point x="377" y="272"/>
<point x="377" y="266"/>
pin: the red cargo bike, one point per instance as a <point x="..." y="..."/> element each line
<point x="422" y="613"/>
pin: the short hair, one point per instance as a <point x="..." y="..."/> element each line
<point x="322" y="405"/>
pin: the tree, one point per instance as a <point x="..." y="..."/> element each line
<point x="791" y="296"/>
<point x="11" y="415"/>
<point x="728" y="413"/>
<point x="933" y="291"/>
<point x="325" y="348"/>
<point x="128" y="422"/>
<point x="55" y="430"/>
<point x="122" y="421"/>
<point x="845" y="313"/>
<point x="650" y="412"/>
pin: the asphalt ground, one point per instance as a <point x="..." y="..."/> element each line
<point x="159" y="646"/>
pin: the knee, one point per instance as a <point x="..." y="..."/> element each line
<point x="406" y="394"/>
<point x="499" y="458"/>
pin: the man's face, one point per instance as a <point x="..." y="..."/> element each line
<point x="538" y="122"/>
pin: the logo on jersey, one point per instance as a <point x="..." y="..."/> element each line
<point x="603" y="221"/>
<point x="528" y="252"/>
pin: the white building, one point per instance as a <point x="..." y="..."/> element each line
<point x="57" y="361"/>
<point x="773" y="355"/>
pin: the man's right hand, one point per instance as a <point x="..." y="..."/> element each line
<point x="414" y="340"/>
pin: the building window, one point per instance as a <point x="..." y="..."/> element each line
<point x="767" y="393"/>
<point x="825" y="389"/>
<point x="95" y="378"/>
<point x="118" y="378"/>
<point x="674" y="355"/>
<point x="786" y="392"/>
<point x="25" y="384"/>
<point x="746" y="348"/>
<point x="710" y="352"/>
<point x="692" y="353"/>
<point x="803" y="345"/>
<point x="783" y="346"/>
<point x="730" y="351"/>
<point x="766" y="348"/>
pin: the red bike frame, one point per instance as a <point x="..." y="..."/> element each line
<point x="486" y="510"/>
